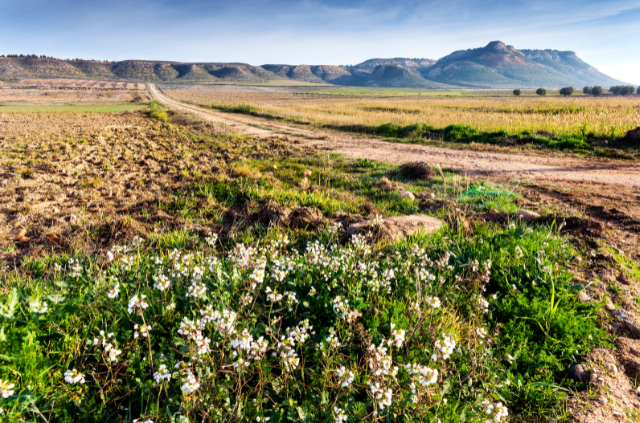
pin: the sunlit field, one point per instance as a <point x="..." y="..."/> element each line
<point x="603" y="117"/>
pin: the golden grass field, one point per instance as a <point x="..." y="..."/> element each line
<point x="603" y="116"/>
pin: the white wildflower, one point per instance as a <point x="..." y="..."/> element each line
<point x="162" y="375"/>
<point x="73" y="377"/>
<point x="137" y="302"/>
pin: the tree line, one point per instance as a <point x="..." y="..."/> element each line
<point x="595" y="91"/>
<point x="622" y="90"/>
<point x="26" y="56"/>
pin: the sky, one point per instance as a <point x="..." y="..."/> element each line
<point x="329" y="32"/>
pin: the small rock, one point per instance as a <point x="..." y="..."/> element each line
<point x="18" y="234"/>
<point x="400" y="227"/>
<point x="609" y="305"/>
<point x="579" y="372"/>
<point x="407" y="195"/>
<point x="527" y="215"/>
<point x="433" y="195"/>
<point x="610" y="367"/>
<point x="306" y="173"/>
<point x="579" y="259"/>
<point x="583" y="297"/>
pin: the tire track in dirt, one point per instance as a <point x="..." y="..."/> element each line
<point x="538" y="168"/>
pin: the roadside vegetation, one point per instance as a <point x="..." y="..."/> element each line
<point x="213" y="279"/>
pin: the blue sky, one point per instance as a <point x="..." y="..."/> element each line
<point x="604" y="34"/>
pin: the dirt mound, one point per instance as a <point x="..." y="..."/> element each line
<point x="121" y="230"/>
<point x="345" y="219"/>
<point x="271" y="214"/>
<point x="633" y="135"/>
<point x="306" y="217"/>
<point x="417" y="170"/>
<point x="574" y="224"/>
<point x="385" y="184"/>
<point x="368" y="209"/>
<point x="629" y="356"/>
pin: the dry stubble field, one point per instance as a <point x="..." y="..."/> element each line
<point x="605" y="116"/>
<point x="96" y="207"/>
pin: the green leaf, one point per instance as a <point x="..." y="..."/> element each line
<point x="8" y="309"/>
<point x="56" y="298"/>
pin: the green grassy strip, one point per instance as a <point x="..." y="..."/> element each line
<point x="583" y="142"/>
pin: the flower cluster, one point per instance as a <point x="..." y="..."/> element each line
<point x="6" y="389"/>
<point x="446" y="345"/>
<point x="73" y="377"/>
<point x="110" y="350"/>
<point x="137" y="302"/>
<point x="497" y="411"/>
<point x="162" y="375"/>
<point x="38" y="306"/>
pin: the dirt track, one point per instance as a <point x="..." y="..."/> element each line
<point x="538" y="168"/>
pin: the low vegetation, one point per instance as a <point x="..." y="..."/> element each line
<point x="198" y="275"/>
<point x="554" y="118"/>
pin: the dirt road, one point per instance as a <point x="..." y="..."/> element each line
<point x="537" y="168"/>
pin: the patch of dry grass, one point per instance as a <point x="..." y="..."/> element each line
<point x="604" y="116"/>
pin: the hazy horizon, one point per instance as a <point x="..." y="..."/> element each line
<point x="317" y="32"/>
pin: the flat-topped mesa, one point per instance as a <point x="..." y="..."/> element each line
<point x="497" y="65"/>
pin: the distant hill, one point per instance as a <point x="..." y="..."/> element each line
<point x="495" y="66"/>
<point x="501" y="66"/>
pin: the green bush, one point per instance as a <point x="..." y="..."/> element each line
<point x="596" y="91"/>
<point x="517" y="92"/>
<point x="586" y="91"/>
<point x="156" y="111"/>
<point x="541" y="92"/>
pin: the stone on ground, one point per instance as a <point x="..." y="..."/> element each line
<point x="407" y="195"/>
<point x="400" y="227"/>
<point x="527" y="215"/>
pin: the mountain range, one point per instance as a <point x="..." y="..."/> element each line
<point x="495" y="66"/>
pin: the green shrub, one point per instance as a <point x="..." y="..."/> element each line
<point x="156" y="111"/>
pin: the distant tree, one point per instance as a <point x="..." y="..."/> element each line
<point x="517" y="92"/>
<point x="586" y="91"/>
<point x="622" y="90"/>
<point x="638" y="91"/>
<point x="566" y="91"/>
<point x="596" y="91"/>
<point x="541" y="92"/>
